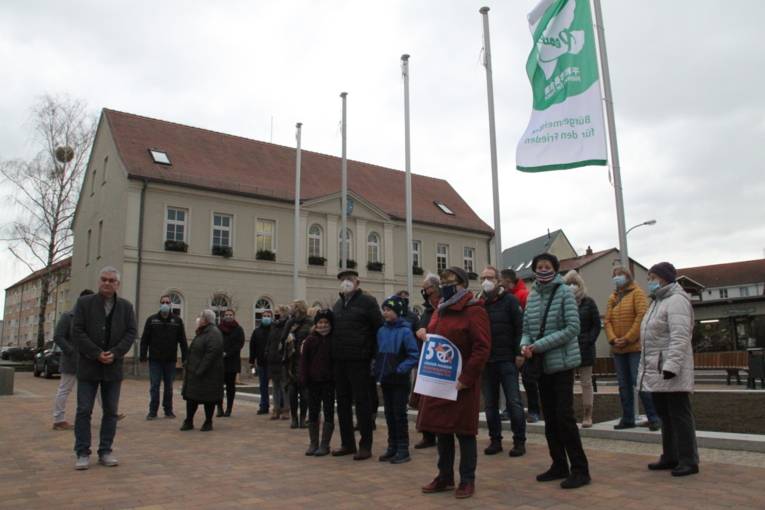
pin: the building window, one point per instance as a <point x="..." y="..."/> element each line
<point x="93" y="183"/>
<point x="221" y="230"/>
<point x="175" y="224"/>
<point x="442" y="257"/>
<point x="444" y="208"/>
<point x="468" y="260"/>
<point x="103" y="175"/>
<point x="176" y="304"/>
<point x="373" y="247"/>
<point x="743" y="291"/>
<point x="87" y="248"/>
<point x="723" y="293"/>
<point x="100" y="238"/>
<point x="261" y="305"/>
<point x="219" y="304"/>
<point x="348" y="251"/>
<point x="314" y="241"/>
<point x="264" y="235"/>
<point x="417" y="253"/>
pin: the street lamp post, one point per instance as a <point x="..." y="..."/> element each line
<point x="649" y="222"/>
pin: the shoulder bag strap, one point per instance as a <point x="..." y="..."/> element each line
<point x="547" y="311"/>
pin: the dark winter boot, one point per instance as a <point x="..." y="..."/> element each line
<point x="326" y="437"/>
<point x="220" y="413"/>
<point x="294" y="423"/>
<point x="402" y="454"/>
<point x="518" y="449"/>
<point x="313" y="435"/>
<point x="494" y="447"/>
<point x="388" y="455"/>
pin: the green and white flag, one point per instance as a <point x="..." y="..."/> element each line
<point x="566" y="129"/>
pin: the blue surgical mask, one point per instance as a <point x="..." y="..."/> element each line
<point x="266" y="321"/>
<point x="653" y="286"/>
<point x="448" y="290"/>
<point x="164" y="308"/>
<point x="620" y="280"/>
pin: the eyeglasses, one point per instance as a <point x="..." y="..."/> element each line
<point x="109" y="280"/>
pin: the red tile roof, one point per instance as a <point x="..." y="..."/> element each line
<point x="61" y="264"/>
<point x="212" y="160"/>
<point x="726" y="275"/>
<point x="583" y="260"/>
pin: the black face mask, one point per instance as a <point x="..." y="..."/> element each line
<point x="448" y="290"/>
<point x="424" y="294"/>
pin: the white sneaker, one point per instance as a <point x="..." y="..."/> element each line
<point x="108" y="460"/>
<point x="83" y="462"/>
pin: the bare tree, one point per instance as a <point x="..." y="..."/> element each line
<point x="45" y="190"/>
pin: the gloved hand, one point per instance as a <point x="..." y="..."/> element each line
<point x="667" y="374"/>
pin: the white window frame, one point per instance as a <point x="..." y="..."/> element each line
<point x="417" y="253"/>
<point x="230" y="229"/>
<point x="316" y="239"/>
<point x="263" y="235"/>
<point x="444" y="255"/>
<point x="373" y="243"/>
<point x="175" y="223"/>
<point x="176" y="302"/>
<point x="743" y="291"/>
<point x="723" y="293"/>
<point x="217" y="307"/>
<point x="466" y="259"/>
<point x="258" y="309"/>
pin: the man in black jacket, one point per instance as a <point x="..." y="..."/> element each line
<point x="163" y="333"/>
<point x="357" y="319"/>
<point x="258" y="342"/>
<point x="506" y="319"/>
<point x="104" y="331"/>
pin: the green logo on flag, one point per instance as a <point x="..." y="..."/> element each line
<point x="563" y="62"/>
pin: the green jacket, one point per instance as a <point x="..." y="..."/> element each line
<point x="559" y="344"/>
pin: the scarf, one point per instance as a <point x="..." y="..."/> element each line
<point x="228" y="327"/>
<point x="443" y="305"/>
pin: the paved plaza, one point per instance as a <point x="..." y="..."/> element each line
<point x="249" y="461"/>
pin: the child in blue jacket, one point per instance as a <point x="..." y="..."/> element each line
<point x="397" y="355"/>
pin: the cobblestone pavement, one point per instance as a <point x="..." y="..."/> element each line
<point x="249" y="461"/>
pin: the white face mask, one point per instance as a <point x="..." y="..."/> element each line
<point x="488" y="286"/>
<point x="346" y="286"/>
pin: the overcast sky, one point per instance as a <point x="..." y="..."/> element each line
<point x="687" y="79"/>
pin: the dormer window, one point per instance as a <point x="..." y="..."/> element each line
<point x="444" y="208"/>
<point x="160" y="157"/>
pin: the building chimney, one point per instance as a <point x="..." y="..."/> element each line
<point x="589" y="251"/>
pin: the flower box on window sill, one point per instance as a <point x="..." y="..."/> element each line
<point x="223" y="251"/>
<point x="417" y="270"/>
<point x="317" y="261"/>
<point x="176" y="246"/>
<point x="265" y="255"/>
<point x="374" y="266"/>
<point x="350" y="263"/>
<point x="472" y="275"/>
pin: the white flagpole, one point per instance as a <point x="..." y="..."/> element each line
<point x="611" y="125"/>
<point x="492" y="139"/>
<point x="344" y="194"/>
<point x="408" y="178"/>
<point x="298" y="237"/>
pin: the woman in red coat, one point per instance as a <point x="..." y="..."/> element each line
<point x="462" y="319"/>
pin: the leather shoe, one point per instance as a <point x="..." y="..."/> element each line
<point x="438" y="485"/>
<point x="518" y="450"/>
<point x="662" y="465"/>
<point x="575" y="480"/>
<point x="362" y="454"/>
<point x="554" y="473"/>
<point x="424" y="444"/>
<point x="682" y="470"/>
<point x="494" y="448"/>
<point x="342" y="451"/>
<point x="622" y="426"/>
<point x="465" y="490"/>
<point x="654" y="426"/>
<point x="262" y="411"/>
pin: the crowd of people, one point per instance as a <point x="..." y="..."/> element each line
<point x="317" y="361"/>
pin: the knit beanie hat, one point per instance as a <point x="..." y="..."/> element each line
<point x="395" y="303"/>
<point x="665" y="271"/>
<point x="545" y="256"/>
<point x="460" y="273"/>
<point x="325" y="314"/>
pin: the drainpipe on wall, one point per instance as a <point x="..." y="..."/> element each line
<point x="138" y="274"/>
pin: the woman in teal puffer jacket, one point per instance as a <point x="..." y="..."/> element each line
<point x="553" y="336"/>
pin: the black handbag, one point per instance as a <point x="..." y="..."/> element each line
<point x="534" y="366"/>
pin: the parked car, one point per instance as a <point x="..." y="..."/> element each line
<point x="46" y="362"/>
<point x="18" y="354"/>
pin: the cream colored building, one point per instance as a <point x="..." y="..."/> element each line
<point x="160" y="200"/>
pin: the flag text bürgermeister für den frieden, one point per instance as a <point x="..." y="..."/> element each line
<point x="568" y="134"/>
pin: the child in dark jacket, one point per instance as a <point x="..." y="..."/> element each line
<point x="315" y="374"/>
<point x="397" y="355"/>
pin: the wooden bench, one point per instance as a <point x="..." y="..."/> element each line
<point x="730" y="361"/>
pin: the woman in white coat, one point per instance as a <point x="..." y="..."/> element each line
<point x="666" y="369"/>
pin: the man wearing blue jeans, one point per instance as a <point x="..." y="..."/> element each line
<point x="506" y="320"/>
<point x="626" y="366"/>
<point x="162" y="335"/>
<point x="103" y="331"/>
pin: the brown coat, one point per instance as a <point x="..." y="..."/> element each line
<point x="624" y="314"/>
<point x="466" y="324"/>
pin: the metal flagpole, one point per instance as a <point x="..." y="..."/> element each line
<point x="492" y="138"/>
<point x="408" y="179"/>
<point x="344" y="195"/>
<point x="299" y="126"/>
<point x="611" y="124"/>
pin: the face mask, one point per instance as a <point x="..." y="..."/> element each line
<point x="346" y="286"/>
<point x="448" y="290"/>
<point x="488" y="286"/>
<point x="164" y="308"/>
<point x="620" y="280"/>
<point x="266" y="321"/>
<point x="544" y="276"/>
<point x="653" y="286"/>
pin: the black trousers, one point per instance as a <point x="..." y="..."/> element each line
<point x="321" y="399"/>
<point x="229" y="382"/>
<point x="468" y="457"/>
<point x="532" y="393"/>
<point x="352" y="387"/>
<point x="395" y="397"/>
<point x="557" y="394"/>
<point x="193" y="405"/>
<point x="374" y="398"/>
<point x="298" y="398"/>
<point x="678" y="428"/>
